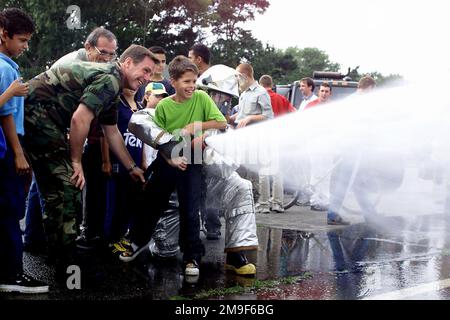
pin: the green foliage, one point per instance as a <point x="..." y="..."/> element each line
<point x="255" y="286"/>
<point x="174" y="24"/>
<point x="310" y="60"/>
<point x="380" y="79"/>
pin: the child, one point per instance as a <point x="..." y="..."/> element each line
<point x="123" y="195"/>
<point x="154" y="92"/>
<point x="15" y="89"/>
<point x="191" y="112"/>
<point x="16" y="30"/>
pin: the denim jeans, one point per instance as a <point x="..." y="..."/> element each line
<point x="124" y="198"/>
<point x="34" y="228"/>
<point x="12" y="209"/>
<point x="347" y="177"/>
<point x="163" y="181"/>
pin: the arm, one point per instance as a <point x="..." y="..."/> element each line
<point x="9" y="129"/>
<point x="289" y="106"/>
<point x="251" y="119"/>
<point x="232" y="118"/>
<point x="79" y="129"/>
<point x="106" y="161"/>
<point x="16" y="88"/>
<point x="117" y="145"/>
<point x="194" y="127"/>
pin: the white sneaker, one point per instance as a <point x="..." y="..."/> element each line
<point x="277" y="208"/>
<point x="192" y="269"/>
<point x="262" y="208"/>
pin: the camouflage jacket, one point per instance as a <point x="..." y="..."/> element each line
<point x="62" y="88"/>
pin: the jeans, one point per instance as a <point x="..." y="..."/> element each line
<point x="163" y="181"/>
<point x="347" y="177"/>
<point x="34" y="228"/>
<point x="95" y="193"/>
<point x="124" y="198"/>
<point x="12" y="209"/>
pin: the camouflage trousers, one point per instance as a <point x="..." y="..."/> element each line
<point x="47" y="146"/>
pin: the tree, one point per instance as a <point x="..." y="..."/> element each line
<point x="175" y="24"/>
<point x="231" y="42"/>
<point x="380" y="79"/>
<point x="310" y="60"/>
<point x="275" y="63"/>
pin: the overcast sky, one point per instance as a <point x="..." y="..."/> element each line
<point x="411" y="38"/>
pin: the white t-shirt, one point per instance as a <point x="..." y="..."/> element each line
<point x="305" y="102"/>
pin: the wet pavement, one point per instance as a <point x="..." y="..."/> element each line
<point x="389" y="258"/>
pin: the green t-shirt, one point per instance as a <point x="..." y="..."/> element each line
<point x="171" y="115"/>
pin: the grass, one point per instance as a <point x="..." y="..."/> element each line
<point x="257" y="285"/>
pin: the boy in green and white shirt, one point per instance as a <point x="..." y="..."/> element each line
<point x="188" y="112"/>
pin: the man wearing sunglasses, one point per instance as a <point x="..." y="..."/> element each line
<point x="100" y="46"/>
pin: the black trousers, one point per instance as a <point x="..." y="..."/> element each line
<point x="162" y="182"/>
<point x="95" y="200"/>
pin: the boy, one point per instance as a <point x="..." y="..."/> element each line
<point x="16" y="88"/>
<point x="154" y="92"/>
<point x="191" y="112"/>
<point x="16" y="30"/>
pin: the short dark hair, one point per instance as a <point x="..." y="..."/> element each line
<point x="93" y="37"/>
<point x="15" y="21"/>
<point x="137" y="53"/>
<point x="327" y="85"/>
<point x="366" y="82"/>
<point x="202" y="51"/>
<point x="157" y="50"/>
<point x="266" y="81"/>
<point x="179" y="66"/>
<point x="309" y="82"/>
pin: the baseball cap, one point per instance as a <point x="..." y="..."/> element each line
<point x="156" y="88"/>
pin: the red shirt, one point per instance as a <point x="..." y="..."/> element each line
<point x="312" y="104"/>
<point x="280" y="105"/>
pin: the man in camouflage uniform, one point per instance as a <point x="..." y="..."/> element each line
<point x="70" y="96"/>
<point x="100" y="46"/>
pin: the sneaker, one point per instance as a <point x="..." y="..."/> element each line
<point x="303" y="203"/>
<point x="213" y="234"/>
<point x="191" y="268"/>
<point x="318" y="207"/>
<point x="337" y="221"/>
<point x="87" y="244"/>
<point x="118" y="247"/>
<point x="191" y="279"/>
<point x="277" y="208"/>
<point x="24" y="284"/>
<point x="131" y="252"/>
<point x="262" y="208"/>
<point x="237" y="262"/>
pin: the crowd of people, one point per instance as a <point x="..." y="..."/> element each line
<point x="91" y="183"/>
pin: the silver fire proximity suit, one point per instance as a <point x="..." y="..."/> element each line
<point x="226" y="190"/>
